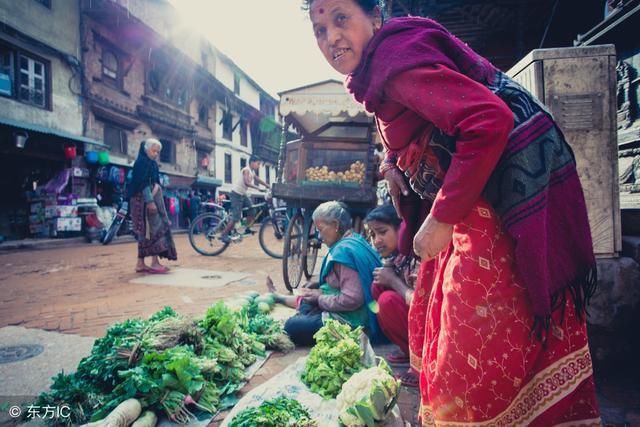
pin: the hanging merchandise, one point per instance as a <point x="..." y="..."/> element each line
<point x="91" y="157"/>
<point x="164" y="180"/>
<point x="103" y="173"/>
<point x="69" y="151"/>
<point x="172" y="206"/>
<point x="57" y="184"/>
<point x="116" y="175"/>
<point x="103" y="158"/>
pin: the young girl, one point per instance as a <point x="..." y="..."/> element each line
<point x="393" y="288"/>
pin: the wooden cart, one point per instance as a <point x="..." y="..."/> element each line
<point x="333" y="160"/>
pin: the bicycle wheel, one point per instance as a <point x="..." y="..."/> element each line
<point x="311" y="256"/>
<point x="293" y="255"/>
<point x="205" y="232"/>
<point x="271" y="235"/>
<point x="113" y="230"/>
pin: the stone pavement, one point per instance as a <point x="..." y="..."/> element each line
<point x="76" y="288"/>
<point x="87" y="287"/>
<point x="81" y="289"/>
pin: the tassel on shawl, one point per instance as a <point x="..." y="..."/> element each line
<point x="580" y="290"/>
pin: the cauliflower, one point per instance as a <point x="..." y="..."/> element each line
<point x="367" y="396"/>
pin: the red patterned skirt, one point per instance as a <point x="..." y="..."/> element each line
<point x="481" y="364"/>
<point x="153" y="232"/>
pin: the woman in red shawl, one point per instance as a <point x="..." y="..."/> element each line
<point x="495" y="210"/>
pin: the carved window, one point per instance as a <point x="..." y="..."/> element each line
<point x="203" y="160"/>
<point x="115" y="138"/>
<point x="168" y="152"/>
<point x="110" y="66"/>
<point x="203" y="115"/>
<point x="227" y="125"/>
<point x="166" y="80"/>
<point x="243" y="134"/>
<point x="266" y="106"/>
<point x="228" y="173"/>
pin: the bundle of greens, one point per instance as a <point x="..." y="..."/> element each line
<point x="168" y="363"/>
<point x="335" y="357"/>
<point x="278" y="412"/>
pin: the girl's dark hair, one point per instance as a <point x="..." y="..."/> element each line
<point x="386" y="214"/>
<point x="367" y="5"/>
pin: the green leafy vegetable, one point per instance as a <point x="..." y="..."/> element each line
<point x="335" y="357"/>
<point x="278" y="412"/>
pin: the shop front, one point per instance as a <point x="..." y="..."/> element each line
<point x="41" y="170"/>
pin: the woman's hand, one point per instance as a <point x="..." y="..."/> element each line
<point x="395" y="181"/>
<point x="432" y="238"/>
<point x="385" y="277"/>
<point x="156" y="188"/>
<point x="310" y="296"/>
<point x="152" y="208"/>
<point x="311" y="285"/>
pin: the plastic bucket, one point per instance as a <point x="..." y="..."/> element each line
<point x="91" y="157"/>
<point x="70" y="152"/>
<point x="103" y="158"/>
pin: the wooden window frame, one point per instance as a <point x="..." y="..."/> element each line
<point x="113" y="80"/>
<point x="228" y="168"/>
<point x="123" y="148"/>
<point x="16" y="72"/>
<point x="168" y="146"/>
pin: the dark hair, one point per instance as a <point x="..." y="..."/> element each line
<point x="254" y="159"/>
<point x="367" y="6"/>
<point x="386" y="214"/>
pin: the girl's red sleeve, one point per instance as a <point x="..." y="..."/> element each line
<point x="464" y="108"/>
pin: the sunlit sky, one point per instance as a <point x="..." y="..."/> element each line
<point x="270" y="40"/>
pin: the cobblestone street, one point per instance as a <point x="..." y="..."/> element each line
<point x="85" y="288"/>
<point x="81" y="289"/>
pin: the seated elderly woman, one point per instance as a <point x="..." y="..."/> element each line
<point x="344" y="288"/>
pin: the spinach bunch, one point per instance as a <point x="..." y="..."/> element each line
<point x="278" y="412"/>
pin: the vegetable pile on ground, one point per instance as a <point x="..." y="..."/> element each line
<point x="279" y="412"/>
<point x="167" y="363"/>
<point x="335" y="357"/>
<point x="368" y="396"/>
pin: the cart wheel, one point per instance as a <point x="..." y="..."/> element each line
<point x="293" y="256"/>
<point x="312" y="251"/>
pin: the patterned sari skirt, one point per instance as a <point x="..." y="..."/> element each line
<point x="481" y="362"/>
<point x="153" y="231"/>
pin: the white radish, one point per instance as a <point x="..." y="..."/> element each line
<point x="122" y="416"/>
<point x="147" y="419"/>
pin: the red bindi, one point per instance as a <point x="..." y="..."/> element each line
<point x="321" y="11"/>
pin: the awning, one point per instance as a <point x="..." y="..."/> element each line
<point x="206" y="182"/>
<point x="49" y="131"/>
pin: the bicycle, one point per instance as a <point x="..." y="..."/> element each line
<point x="117" y="222"/>
<point x="205" y="232"/>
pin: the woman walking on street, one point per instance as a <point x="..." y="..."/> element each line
<point x="149" y="217"/>
<point x="495" y="204"/>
